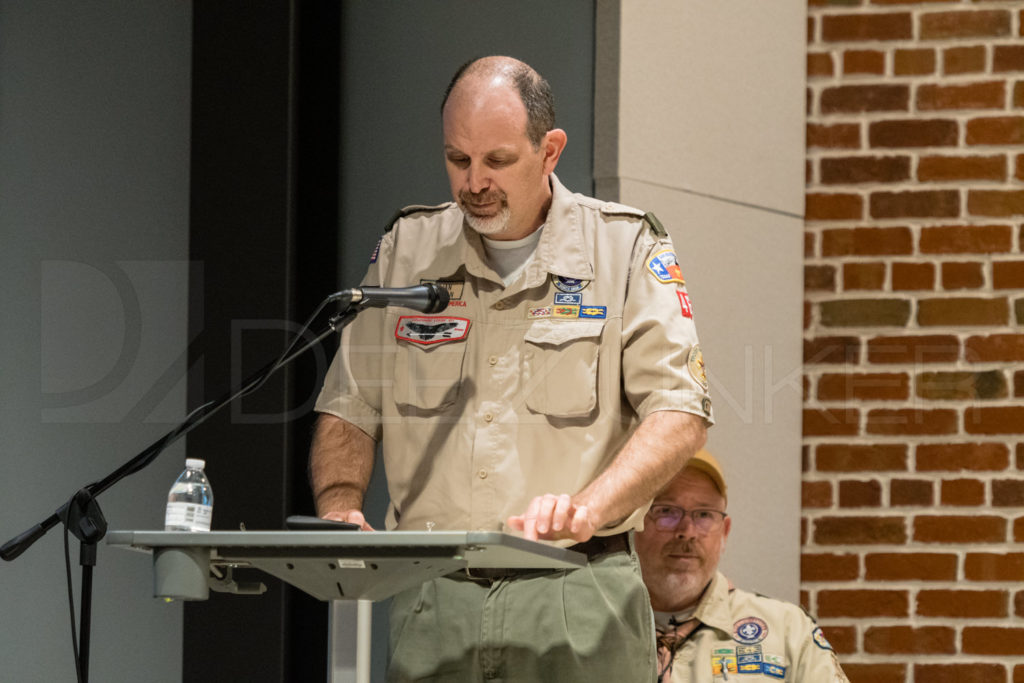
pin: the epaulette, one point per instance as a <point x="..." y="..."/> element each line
<point x="616" y="209"/>
<point x="656" y="227"/>
<point x="411" y="209"/>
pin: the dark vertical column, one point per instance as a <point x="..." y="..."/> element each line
<point x="263" y="245"/>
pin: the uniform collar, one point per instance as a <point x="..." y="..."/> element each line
<point x="713" y="609"/>
<point x="562" y="249"/>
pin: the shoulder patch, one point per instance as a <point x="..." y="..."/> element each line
<point x="414" y="208"/>
<point x="656" y="227"/>
<point x="616" y="209"/>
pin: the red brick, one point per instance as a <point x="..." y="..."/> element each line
<point x="993" y="640"/>
<point x="1018" y="604"/>
<point x="962" y="386"/>
<point x="863" y="603"/>
<point x="970" y="24"/>
<point x="913" y="276"/>
<point x="843" y="639"/>
<point x="835" y="136"/>
<point x="909" y="421"/>
<point x="913" y="133"/>
<point x="987" y="95"/>
<point x="962" y="275"/>
<point x="860" y="530"/>
<point x="861" y="27"/>
<point x="975" y="672"/>
<point x="962" y="311"/>
<point x="863" y="276"/>
<point x="850" y="170"/>
<point x="959" y="529"/>
<point x="1018" y="383"/>
<point x="910" y="567"/>
<point x="833" y="207"/>
<point x="1007" y="493"/>
<point x="859" y="494"/>
<point x="819" y="64"/>
<point x="850" y="99"/>
<point x="958" y="457"/>
<point x="829" y="567"/>
<point x="947" y="168"/>
<point x="861" y="458"/>
<point x="962" y="604"/>
<point x="809" y="239"/>
<point x="999" y="567"/>
<point x="994" y="420"/>
<point x="963" y="60"/>
<point x="1018" y="94"/>
<point x="936" y="348"/>
<point x="1008" y="58"/>
<point x="837" y="422"/>
<point x="1008" y="274"/>
<point x="915" y="204"/>
<point x="914" y="62"/>
<point x="962" y="492"/>
<point x="911" y="492"/>
<point x="878" y="386"/>
<point x="994" y="347"/>
<point x="1018" y="530"/>
<point x="819" y="278"/>
<point x="867" y="242"/>
<point x="910" y="640"/>
<point x="996" y="130"/>
<point x="995" y="202"/>
<point x="966" y="239"/>
<point x="1018" y="311"/>
<point x="863" y="62"/>
<point x="864" y="312"/>
<point x="1019" y="173"/>
<point x="843" y="350"/>
<point x="816" y="494"/>
<point x="875" y="673"/>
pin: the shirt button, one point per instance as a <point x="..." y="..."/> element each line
<point x="493" y="360"/>
<point x="488" y="417"/>
<point x="482" y="474"/>
<point x="501" y="305"/>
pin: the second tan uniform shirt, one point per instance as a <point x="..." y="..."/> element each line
<point x="517" y="391"/>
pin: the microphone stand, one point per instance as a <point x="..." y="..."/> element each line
<point x="82" y="516"/>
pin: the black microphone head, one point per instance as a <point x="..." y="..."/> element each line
<point x="438" y="297"/>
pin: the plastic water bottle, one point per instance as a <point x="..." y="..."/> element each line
<point x="190" y="502"/>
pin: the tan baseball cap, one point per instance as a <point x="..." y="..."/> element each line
<point x="706" y="463"/>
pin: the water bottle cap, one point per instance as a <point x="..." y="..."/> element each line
<point x="195" y="463"/>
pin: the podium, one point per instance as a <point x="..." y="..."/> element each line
<point x="364" y="566"/>
<point x="331" y="565"/>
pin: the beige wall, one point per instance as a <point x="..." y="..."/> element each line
<point x="699" y="118"/>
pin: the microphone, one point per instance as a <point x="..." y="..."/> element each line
<point x="426" y="298"/>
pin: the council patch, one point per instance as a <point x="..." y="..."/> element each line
<point x="664" y="266"/>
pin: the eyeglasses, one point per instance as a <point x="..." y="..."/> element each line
<point x="668" y="518"/>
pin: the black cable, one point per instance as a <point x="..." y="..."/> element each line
<point x="71" y="605"/>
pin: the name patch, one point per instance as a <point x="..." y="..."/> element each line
<point x="422" y="329"/>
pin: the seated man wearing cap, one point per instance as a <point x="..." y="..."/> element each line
<point x="708" y="630"/>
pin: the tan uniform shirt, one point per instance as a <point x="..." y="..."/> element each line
<point x="747" y="637"/>
<point x="517" y="391"/>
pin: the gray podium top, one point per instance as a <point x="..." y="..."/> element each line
<point x="332" y="565"/>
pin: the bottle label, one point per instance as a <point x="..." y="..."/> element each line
<point x="188" y="517"/>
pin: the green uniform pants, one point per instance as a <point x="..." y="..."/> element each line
<point x="587" y="625"/>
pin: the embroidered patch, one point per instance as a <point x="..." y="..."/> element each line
<point x="593" y="311"/>
<point x="421" y="329"/>
<point x="566" y="298"/>
<point x="565" y="312"/>
<point x="705" y="405"/>
<point x="695" y="363"/>
<point x="820" y="640"/>
<point x="455" y="288"/>
<point x="540" y="312"/>
<point x="749" y="631"/>
<point x="684" y="303"/>
<point x="664" y="266"/>
<point x="749" y="659"/>
<point x="376" y="251"/>
<point x="568" y="284"/>
<point x="723" y="660"/>
<point x="774" y="666"/>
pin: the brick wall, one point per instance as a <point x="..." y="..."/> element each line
<point x="913" y="492"/>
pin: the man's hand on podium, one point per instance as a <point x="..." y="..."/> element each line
<point x="351" y="516"/>
<point x="551" y="517"/>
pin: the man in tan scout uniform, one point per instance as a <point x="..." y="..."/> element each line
<point x="708" y="630"/>
<point x="557" y="393"/>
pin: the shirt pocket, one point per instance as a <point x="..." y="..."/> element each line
<point x="428" y="377"/>
<point x="560" y="367"/>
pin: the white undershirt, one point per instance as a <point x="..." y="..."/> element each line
<point x="668" y="619"/>
<point x="509" y="258"/>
